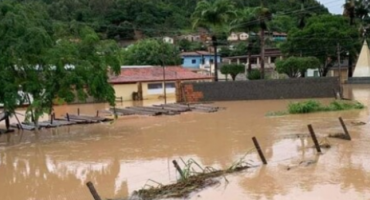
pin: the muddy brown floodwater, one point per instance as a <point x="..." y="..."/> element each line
<point x="120" y="157"/>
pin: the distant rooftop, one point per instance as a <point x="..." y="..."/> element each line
<point x="196" y="53"/>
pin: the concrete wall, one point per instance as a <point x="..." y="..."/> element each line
<point x="262" y="89"/>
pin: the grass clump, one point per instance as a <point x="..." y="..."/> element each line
<point x="311" y="106"/>
<point x="304" y="107"/>
<point x="315" y="106"/>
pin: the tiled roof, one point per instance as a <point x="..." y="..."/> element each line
<point x="152" y="74"/>
<point x="196" y="53"/>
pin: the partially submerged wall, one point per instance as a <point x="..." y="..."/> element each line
<point x="260" y="89"/>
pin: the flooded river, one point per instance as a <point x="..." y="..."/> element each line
<point x="121" y="157"/>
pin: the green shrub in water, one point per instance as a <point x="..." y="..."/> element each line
<point x="315" y="106"/>
<point x="304" y="107"/>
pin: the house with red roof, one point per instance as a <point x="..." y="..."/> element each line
<point x="150" y="81"/>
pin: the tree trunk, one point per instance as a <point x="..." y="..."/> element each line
<point x="350" y="71"/>
<point x="233" y="76"/>
<point x="249" y="63"/>
<point x="214" y="40"/>
<point x="262" y="54"/>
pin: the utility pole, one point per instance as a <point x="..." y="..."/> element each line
<point x="214" y="43"/>
<point x="164" y="84"/>
<point x="339" y="65"/>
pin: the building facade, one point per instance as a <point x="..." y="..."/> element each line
<point x="199" y="61"/>
<point x="150" y="81"/>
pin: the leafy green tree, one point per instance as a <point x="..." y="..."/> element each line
<point x="214" y="16"/>
<point x="320" y="37"/>
<point x="233" y="70"/>
<point x="296" y="66"/>
<point x="48" y="60"/>
<point x="256" y="19"/>
<point x="151" y="52"/>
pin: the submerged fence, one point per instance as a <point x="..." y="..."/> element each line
<point x="215" y="173"/>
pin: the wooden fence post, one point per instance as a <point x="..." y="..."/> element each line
<point x="78" y="111"/>
<point x="67" y="117"/>
<point x="313" y="136"/>
<point x="7" y="122"/>
<point x="344" y="128"/>
<point x="259" y="151"/>
<point x="93" y="191"/>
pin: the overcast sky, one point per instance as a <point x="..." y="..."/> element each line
<point x="334" y="6"/>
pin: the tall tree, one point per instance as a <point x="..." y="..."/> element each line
<point x="263" y="14"/>
<point x="213" y="15"/>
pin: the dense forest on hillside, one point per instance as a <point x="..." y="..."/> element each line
<point x="122" y="19"/>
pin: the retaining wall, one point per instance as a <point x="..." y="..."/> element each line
<point x="260" y="89"/>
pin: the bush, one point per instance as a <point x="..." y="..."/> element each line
<point x="315" y="106"/>
<point x="304" y="107"/>
<point x="254" y="75"/>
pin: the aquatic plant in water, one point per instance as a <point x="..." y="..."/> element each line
<point x="311" y="106"/>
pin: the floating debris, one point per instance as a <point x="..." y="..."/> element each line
<point x="358" y="123"/>
<point x="339" y="136"/>
<point x="304" y="163"/>
<point x="190" y="180"/>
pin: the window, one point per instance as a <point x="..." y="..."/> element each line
<point x="193" y="61"/>
<point x="155" y="88"/>
<point x="170" y="88"/>
<point x="211" y="61"/>
<point x="273" y="59"/>
<point x="182" y="60"/>
<point x="154" y="85"/>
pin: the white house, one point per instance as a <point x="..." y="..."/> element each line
<point x="233" y="37"/>
<point x="238" y="36"/>
<point x="167" y="39"/>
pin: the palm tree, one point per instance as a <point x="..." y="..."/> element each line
<point x="212" y="15"/>
<point x="303" y="15"/>
<point x="263" y="14"/>
<point x="246" y="21"/>
<point x="255" y="19"/>
<point x="349" y="10"/>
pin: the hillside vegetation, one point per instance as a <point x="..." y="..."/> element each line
<point x="123" y="19"/>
